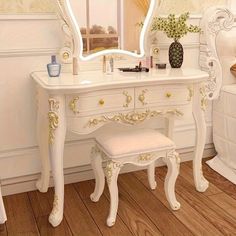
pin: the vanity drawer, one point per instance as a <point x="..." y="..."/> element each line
<point x="99" y="102"/>
<point x="162" y="95"/>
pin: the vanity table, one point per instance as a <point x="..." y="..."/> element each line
<point x="85" y="102"/>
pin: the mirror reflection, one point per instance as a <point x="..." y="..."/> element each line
<point x="110" y="24"/>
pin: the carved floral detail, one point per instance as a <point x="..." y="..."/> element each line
<point x="214" y="20"/>
<point x="53" y="118"/>
<point x="111" y="165"/>
<point x="190" y="93"/>
<point x="132" y="118"/>
<point x="203" y="98"/>
<point x="146" y="156"/>
<point x="174" y="155"/>
<point x="128" y="99"/>
<point x="95" y="151"/>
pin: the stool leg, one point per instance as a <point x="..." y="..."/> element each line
<point x="151" y="176"/>
<point x="96" y="162"/>
<point x="112" y="171"/>
<point x="173" y="162"/>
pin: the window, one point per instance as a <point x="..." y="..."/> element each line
<point x="99" y="31"/>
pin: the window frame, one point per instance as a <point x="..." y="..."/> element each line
<point x="88" y="36"/>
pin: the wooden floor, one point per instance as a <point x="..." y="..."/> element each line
<point x="141" y="211"/>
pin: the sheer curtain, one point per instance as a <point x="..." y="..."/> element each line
<point x="144" y="4"/>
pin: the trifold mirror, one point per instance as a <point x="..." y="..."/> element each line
<point x="101" y="27"/>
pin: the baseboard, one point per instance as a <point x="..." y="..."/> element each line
<point x="82" y="173"/>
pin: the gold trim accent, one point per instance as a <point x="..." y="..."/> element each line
<point x="110" y="166"/>
<point x="73" y="105"/>
<point x="204" y="98"/>
<point x="95" y="151"/>
<point x="53" y="118"/>
<point x="133" y="117"/>
<point x="190" y="94"/>
<point x="128" y="99"/>
<point x="174" y="156"/>
<point x="108" y="172"/>
<point x="145" y="157"/>
<point x="101" y="102"/>
<point x="65" y="55"/>
<point x="55" y="208"/>
<point x="168" y="95"/>
<point x="142" y="98"/>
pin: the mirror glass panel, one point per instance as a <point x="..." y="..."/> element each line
<point x="111" y="24"/>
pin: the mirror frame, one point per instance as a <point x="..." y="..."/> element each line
<point x="68" y="16"/>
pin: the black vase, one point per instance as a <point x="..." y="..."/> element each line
<point x="176" y="54"/>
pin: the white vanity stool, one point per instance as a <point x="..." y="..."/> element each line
<point x="141" y="147"/>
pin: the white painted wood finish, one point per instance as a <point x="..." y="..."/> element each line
<point x="56" y="156"/>
<point x="200" y="182"/>
<point x="95" y="84"/>
<point x="114" y="166"/>
<point x="3" y="216"/>
<point x="32" y="52"/>
<point x="218" y="49"/>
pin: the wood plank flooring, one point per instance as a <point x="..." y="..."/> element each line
<point x="141" y="210"/>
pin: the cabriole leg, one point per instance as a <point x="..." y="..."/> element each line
<point x="42" y="136"/>
<point x="57" y="131"/>
<point x="198" y="113"/>
<point x="112" y="171"/>
<point x="173" y="162"/>
<point x="151" y="176"/>
<point x="96" y="162"/>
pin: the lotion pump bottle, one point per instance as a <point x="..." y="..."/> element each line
<point x="54" y="68"/>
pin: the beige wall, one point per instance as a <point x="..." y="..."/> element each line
<point x="26" y="6"/>
<point x="167" y="6"/>
<point x="193" y="6"/>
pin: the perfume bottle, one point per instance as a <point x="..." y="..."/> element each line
<point x="54" y="68"/>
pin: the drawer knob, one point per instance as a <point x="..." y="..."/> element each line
<point x="142" y="98"/>
<point x="168" y="95"/>
<point x="101" y="102"/>
<point x="73" y="105"/>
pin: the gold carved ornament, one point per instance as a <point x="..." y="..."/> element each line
<point x="53" y="118"/>
<point x="128" y="99"/>
<point x="110" y="167"/>
<point x="203" y="98"/>
<point x="145" y="157"/>
<point x="142" y="98"/>
<point x="133" y="117"/>
<point x="174" y="156"/>
<point x="190" y="93"/>
<point x="73" y="105"/>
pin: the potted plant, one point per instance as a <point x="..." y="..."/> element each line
<point x="175" y="28"/>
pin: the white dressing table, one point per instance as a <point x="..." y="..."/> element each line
<point x="86" y="102"/>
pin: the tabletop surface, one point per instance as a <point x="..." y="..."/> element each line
<point x="90" y="79"/>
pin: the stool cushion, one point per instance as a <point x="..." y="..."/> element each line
<point x="133" y="142"/>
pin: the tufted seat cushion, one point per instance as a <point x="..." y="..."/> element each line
<point x="139" y="141"/>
